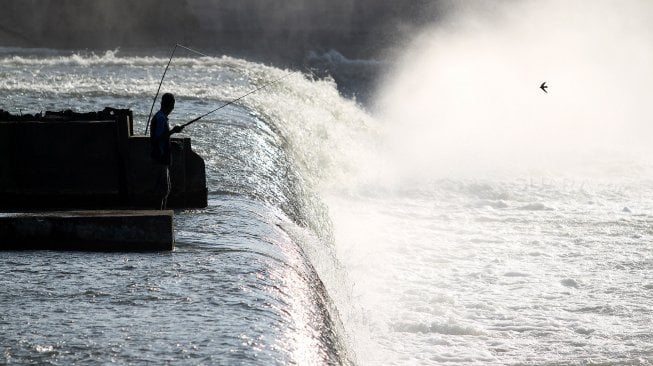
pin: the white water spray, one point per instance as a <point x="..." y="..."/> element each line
<point x="484" y="267"/>
<point x="464" y="98"/>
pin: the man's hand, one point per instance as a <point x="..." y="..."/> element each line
<point x="176" y="129"/>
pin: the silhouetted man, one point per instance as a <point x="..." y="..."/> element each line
<point x="160" y="139"/>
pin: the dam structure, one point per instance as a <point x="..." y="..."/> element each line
<point x="84" y="181"/>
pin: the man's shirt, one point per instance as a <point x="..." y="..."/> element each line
<point x="160" y="138"/>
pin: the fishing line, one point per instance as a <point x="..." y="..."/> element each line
<point x="235" y="100"/>
<point x="172" y="54"/>
<point x="213" y="111"/>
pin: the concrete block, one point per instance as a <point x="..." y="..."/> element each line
<point x="99" y="230"/>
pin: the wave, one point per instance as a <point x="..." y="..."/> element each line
<point x="536" y="207"/>
<point x="434" y="327"/>
<point x="53" y="57"/>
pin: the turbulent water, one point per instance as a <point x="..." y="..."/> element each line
<point x="442" y="225"/>
<point x="238" y="289"/>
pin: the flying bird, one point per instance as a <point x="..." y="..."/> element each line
<point x="544" y="86"/>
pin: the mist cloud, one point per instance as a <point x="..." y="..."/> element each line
<point x="465" y="96"/>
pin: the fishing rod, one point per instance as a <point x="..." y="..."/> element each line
<point x="235" y="100"/>
<point x="172" y="54"/>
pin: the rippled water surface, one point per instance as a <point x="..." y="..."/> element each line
<point x="315" y="250"/>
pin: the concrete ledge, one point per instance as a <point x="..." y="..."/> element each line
<point x="101" y="230"/>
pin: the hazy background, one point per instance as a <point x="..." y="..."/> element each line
<point x="287" y="30"/>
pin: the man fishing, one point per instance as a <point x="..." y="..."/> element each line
<point x="160" y="130"/>
<point x="160" y="133"/>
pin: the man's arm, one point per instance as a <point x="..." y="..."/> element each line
<point x="176" y="129"/>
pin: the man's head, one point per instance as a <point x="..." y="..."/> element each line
<point x="167" y="103"/>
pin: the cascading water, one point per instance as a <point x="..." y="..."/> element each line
<point x="468" y="219"/>
<point x="497" y="224"/>
<point x="239" y="287"/>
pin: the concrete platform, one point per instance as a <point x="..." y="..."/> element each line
<point x="99" y="230"/>
<point x="90" y="161"/>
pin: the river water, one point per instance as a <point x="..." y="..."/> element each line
<point x="437" y="225"/>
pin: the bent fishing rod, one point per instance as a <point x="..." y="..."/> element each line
<point x="234" y="101"/>
<point x="172" y="54"/>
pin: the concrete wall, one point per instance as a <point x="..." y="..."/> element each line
<point x="188" y="189"/>
<point x="88" y="231"/>
<point x="61" y="160"/>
